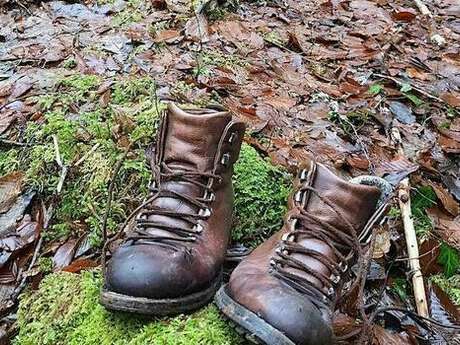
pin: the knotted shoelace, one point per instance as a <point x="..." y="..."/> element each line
<point x="312" y="227"/>
<point x="163" y="173"/>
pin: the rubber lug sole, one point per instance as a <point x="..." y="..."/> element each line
<point x="254" y="328"/>
<point x="159" y="307"/>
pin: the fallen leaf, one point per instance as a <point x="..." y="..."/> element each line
<point x="65" y="254"/>
<point x="402" y="112"/>
<point x="168" y="36"/>
<point x="403" y="15"/>
<point x="79" y="265"/>
<point x="446" y="226"/>
<point x="448" y="202"/>
<point x="10" y="188"/>
<point x="9" y="219"/>
<point x="453" y="99"/>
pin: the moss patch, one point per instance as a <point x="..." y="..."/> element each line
<point x="92" y="128"/>
<point x="450" y="285"/>
<point x="261" y="192"/>
<point x="65" y="310"/>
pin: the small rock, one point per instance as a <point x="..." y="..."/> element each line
<point x="438" y="40"/>
<point x="402" y="112"/>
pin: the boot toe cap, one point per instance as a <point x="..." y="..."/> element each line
<point x="286" y="310"/>
<point x="143" y="271"/>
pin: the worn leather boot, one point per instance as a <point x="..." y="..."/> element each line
<point x="171" y="259"/>
<point x="285" y="291"/>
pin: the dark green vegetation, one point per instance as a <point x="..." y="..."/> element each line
<point x="65" y="311"/>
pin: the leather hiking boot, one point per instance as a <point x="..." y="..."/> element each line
<point x="171" y="259"/>
<point x="286" y="290"/>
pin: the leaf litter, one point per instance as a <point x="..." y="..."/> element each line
<point x="329" y="79"/>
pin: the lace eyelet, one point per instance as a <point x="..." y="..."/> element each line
<point x="273" y="263"/>
<point x="343" y="267"/>
<point x="286" y="237"/>
<point x="330" y="292"/>
<point x="204" y="212"/>
<point x="232" y="138"/>
<point x="335" y="279"/>
<point x="303" y="174"/>
<point x="298" y="196"/>
<point x="198" y="228"/>
<point x="209" y="196"/>
<point x="225" y="159"/>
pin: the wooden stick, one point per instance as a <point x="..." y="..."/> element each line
<point x="423" y="9"/>
<point x="411" y="238"/>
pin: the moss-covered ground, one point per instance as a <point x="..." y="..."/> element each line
<point x="65" y="311"/>
<point x="93" y="124"/>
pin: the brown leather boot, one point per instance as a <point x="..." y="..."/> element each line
<point x="171" y="260"/>
<point x="285" y="291"/>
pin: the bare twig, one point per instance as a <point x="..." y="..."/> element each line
<point x="411" y="237"/>
<point x="422" y="8"/>
<point x="87" y="154"/>
<point x="63" y="167"/>
<point x="12" y="142"/>
<point x="416" y="88"/>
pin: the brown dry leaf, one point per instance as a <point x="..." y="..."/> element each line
<point x="196" y="29"/>
<point x="449" y="145"/>
<point x="10" y="188"/>
<point x="168" y="36"/>
<point x="65" y="254"/>
<point x="447" y="200"/>
<point x="7" y="117"/>
<point x="80" y="265"/>
<point x="382" y="242"/>
<point x="240" y="35"/>
<point x="446" y="226"/>
<point x="24" y="235"/>
<point x="381" y="336"/>
<point x="280" y="102"/>
<point x="451" y="98"/>
<point x="405" y="15"/>
<point x="399" y="165"/>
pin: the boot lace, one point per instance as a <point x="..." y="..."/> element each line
<point x="315" y="228"/>
<point x="163" y="173"/>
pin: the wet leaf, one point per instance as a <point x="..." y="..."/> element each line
<point x="446" y="226"/>
<point x="402" y="112"/>
<point x="10" y="189"/>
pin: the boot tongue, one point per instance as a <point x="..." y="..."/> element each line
<point x="356" y="202"/>
<point x="192" y="138"/>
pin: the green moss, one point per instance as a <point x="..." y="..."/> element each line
<point x="450" y="285"/>
<point x="9" y="161"/>
<point x="99" y="134"/>
<point x="261" y="192"/>
<point x="134" y="12"/>
<point x="449" y="258"/>
<point x="211" y="58"/>
<point x="65" y="310"/>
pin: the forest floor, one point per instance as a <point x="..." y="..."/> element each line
<point x="82" y="85"/>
